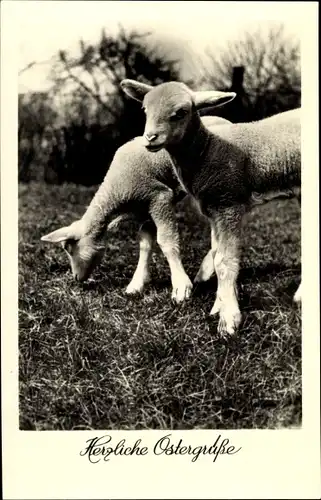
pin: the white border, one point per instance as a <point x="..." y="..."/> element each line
<point x="271" y="464"/>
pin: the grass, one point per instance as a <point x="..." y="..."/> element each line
<point x="93" y="358"/>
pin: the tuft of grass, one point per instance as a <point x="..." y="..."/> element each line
<point x="93" y="358"/>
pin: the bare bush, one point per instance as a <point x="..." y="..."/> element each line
<point x="89" y="115"/>
<point x="272" y="76"/>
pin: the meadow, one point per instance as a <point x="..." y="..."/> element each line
<point x="90" y="357"/>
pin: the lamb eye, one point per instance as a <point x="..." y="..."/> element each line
<point x="180" y="113"/>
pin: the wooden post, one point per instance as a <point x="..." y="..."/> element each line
<point x="237" y="79"/>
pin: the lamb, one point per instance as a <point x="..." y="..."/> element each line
<point x="138" y="184"/>
<point x="222" y="169"/>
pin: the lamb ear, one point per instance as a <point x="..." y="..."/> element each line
<point x="62" y="234"/>
<point x="135" y="90"/>
<point x="212" y="98"/>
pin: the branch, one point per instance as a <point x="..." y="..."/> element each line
<point x="89" y="91"/>
<point x="30" y="65"/>
<point x="33" y="63"/>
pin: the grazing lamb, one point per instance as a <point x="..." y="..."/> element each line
<point x="222" y="169"/>
<point x="139" y="184"/>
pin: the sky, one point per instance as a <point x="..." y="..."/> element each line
<point x="44" y="27"/>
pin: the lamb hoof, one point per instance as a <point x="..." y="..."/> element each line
<point x="228" y="323"/>
<point x="205" y="271"/>
<point x="182" y="292"/>
<point x="216" y="308"/>
<point x="297" y="296"/>
<point x="225" y="328"/>
<point x="134" y="289"/>
<point x="203" y="275"/>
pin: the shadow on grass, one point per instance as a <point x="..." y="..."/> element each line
<point x="264" y="273"/>
<point x="259" y="273"/>
<point x="203" y="294"/>
<point x="91" y="357"/>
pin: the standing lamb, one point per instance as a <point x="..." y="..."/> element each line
<point x="138" y="184"/>
<point x="221" y="169"/>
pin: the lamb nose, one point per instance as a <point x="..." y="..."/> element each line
<point x="151" y="137"/>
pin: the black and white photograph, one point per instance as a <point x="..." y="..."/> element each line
<point x="159" y="219"/>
